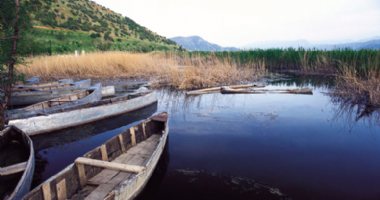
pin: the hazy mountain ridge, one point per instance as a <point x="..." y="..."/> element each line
<point x="196" y="43"/>
<point x="362" y="44"/>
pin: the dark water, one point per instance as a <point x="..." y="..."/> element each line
<point x="249" y="146"/>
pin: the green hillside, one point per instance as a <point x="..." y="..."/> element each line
<point x="66" y="25"/>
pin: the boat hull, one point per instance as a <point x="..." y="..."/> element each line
<point x="95" y="94"/>
<point x="24" y="184"/>
<point x="42" y="124"/>
<point x="24" y="98"/>
<point x="130" y="189"/>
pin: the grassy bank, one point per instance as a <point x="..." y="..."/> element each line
<point x="43" y="41"/>
<point x="181" y="72"/>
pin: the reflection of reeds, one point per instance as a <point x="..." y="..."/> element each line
<point x="357" y="95"/>
<point x="359" y="89"/>
<point x="182" y="72"/>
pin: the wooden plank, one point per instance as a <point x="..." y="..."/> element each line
<point x="61" y="190"/>
<point x="82" y="174"/>
<point x="110" y="165"/>
<point x="133" y="136"/>
<point x="46" y="191"/>
<point x="103" y="190"/>
<point x="13" y="169"/>
<point x="121" y="141"/>
<point x="103" y="177"/>
<point x="143" y="128"/>
<point x="103" y="151"/>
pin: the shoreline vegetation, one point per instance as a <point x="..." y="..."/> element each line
<point x="357" y="72"/>
<point x="163" y="69"/>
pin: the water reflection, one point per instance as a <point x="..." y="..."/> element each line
<point x="354" y="112"/>
<point x="291" y="142"/>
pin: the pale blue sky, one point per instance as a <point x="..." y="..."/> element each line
<point x="240" y="22"/>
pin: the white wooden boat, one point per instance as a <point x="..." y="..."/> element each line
<point x="118" y="169"/>
<point x="55" y="105"/>
<point x="18" y="164"/>
<point x="23" y="98"/>
<point x="83" y="114"/>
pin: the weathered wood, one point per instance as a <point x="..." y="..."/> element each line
<point x="25" y="168"/>
<point x="43" y="124"/>
<point x="13" y="169"/>
<point x="133" y="135"/>
<point x="126" y="173"/>
<point x="143" y="128"/>
<point x="81" y="174"/>
<point x="103" y="150"/>
<point x="217" y="89"/>
<point x="108" y="91"/>
<point x="61" y="190"/>
<point x="24" y="98"/>
<point x="228" y="90"/>
<point x="46" y="192"/>
<point x="110" y="165"/>
<point x="121" y="141"/>
<point x="74" y="100"/>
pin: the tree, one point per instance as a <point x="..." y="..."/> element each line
<point x="13" y="18"/>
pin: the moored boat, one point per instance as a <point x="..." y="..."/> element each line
<point x="78" y="98"/>
<point x="17" y="163"/>
<point x="77" y="115"/>
<point x="118" y="169"/>
<point x="23" y="98"/>
<point x="44" y="86"/>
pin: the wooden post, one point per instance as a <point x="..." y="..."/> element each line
<point x="103" y="151"/>
<point x="61" y="190"/>
<point x="143" y="128"/>
<point x="133" y="136"/>
<point x="121" y="142"/>
<point x="46" y="191"/>
<point x="82" y="174"/>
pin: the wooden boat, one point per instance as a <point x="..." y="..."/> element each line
<point x="17" y="166"/>
<point x="228" y="90"/>
<point x="23" y="98"/>
<point x="44" y="86"/>
<point x="118" y="169"/>
<point x="77" y="115"/>
<point x="55" y="105"/>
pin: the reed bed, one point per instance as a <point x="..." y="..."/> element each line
<point x="169" y="69"/>
<point x="359" y="89"/>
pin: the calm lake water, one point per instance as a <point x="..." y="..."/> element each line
<point x="245" y="146"/>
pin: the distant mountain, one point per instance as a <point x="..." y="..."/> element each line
<point x="196" y="43"/>
<point x="362" y="44"/>
<point x="279" y="44"/>
<point x="372" y="44"/>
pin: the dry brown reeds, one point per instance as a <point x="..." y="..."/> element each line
<point x="180" y="72"/>
<point x="359" y="89"/>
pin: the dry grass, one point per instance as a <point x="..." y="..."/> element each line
<point x="358" y="89"/>
<point x="170" y="69"/>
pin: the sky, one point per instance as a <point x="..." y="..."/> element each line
<point x="243" y="22"/>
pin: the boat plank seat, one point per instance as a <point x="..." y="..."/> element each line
<point x="99" y="186"/>
<point x="13" y="169"/>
